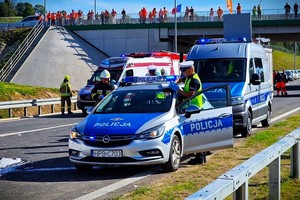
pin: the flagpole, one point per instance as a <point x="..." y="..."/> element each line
<point x="175" y="28"/>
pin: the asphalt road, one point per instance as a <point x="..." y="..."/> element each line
<point x="42" y="144"/>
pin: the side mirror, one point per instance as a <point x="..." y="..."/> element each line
<point x="255" y="79"/>
<point x="90" y="110"/>
<point x="192" y="109"/>
<point x="87" y="82"/>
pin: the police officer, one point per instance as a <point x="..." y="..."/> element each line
<point x="102" y="88"/>
<point x="152" y="71"/>
<point x="192" y="84"/>
<point x="66" y="94"/>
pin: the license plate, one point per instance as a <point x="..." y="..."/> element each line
<point x="107" y="153"/>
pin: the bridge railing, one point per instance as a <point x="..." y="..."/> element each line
<point x="199" y="16"/>
<point x="235" y="181"/>
<point x="17" y="55"/>
<point x="25" y="104"/>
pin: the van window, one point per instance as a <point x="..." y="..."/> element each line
<point x="259" y="68"/>
<point x="221" y="70"/>
<point x="251" y="69"/>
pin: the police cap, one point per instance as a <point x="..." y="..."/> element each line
<point x="186" y="64"/>
<point x="152" y="68"/>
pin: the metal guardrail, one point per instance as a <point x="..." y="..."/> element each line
<point x="235" y="181"/>
<point x="10" y="105"/>
<point x="17" y="55"/>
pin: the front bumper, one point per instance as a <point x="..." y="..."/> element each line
<point x="138" y="152"/>
<point x="82" y="105"/>
<point x="239" y="116"/>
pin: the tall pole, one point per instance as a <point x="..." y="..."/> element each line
<point x="295" y="54"/>
<point x="175" y="28"/>
<point x="95" y="6"/>
<point x="44" y="9"/>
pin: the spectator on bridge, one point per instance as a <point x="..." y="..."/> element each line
<point x="53" y="19"/>
<point x="49" y="18"/>
<point x="191" y="14"/>
<point x="211" y="14"/>
<point x="143" y="15"/>
<point x="239" y="9"/>
<point x="102" y="17"/>
<point x="113" y="16"/>
<point x="287" y="9"/>
<point x="220" y="14"/>
<point x="259" y="11"/>
<point x="254" y="12"/>
<point x="150" y="16"/>
<point x="154" y="12"/>
<point x="106" y="14"/>
<point x="59" y="18"/>
<point x="165" y="15"/>
<point x="161" y="15"/>
<point x="186" y="14"/>
<point x="296" y="8"/>
<point x="80" y="16"/>
<point x="123" y="16"/>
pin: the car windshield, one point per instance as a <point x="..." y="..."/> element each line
<point x="136" y="101"/>
<point x="114" y="75"/>
<point x="221" y="70"/>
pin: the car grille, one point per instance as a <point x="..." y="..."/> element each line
<point x="109" y="160"/>
<point x="114" y="140"/>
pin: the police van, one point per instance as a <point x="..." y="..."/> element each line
<point x="134" y="64"/>
<point x="141" y="123"/>
<point x="248" y="68"/>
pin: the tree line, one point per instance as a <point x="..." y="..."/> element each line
<point x="9" y="8"/>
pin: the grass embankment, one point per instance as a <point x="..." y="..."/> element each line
<point x="13" y="92"/>
<point x="9" y="42"/>
<point x="10" y="19"/>
<point x="282" y="60"/>
<point x="188" y="179"/>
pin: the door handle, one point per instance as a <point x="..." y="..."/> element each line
<point x="224" y="115"/>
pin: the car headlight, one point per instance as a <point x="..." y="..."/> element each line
<point x="237" y="100"/>
<point x="152" y="133"/>
<point x="74" y="134"/>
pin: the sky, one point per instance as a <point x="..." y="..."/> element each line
<point x="134" y="6"/>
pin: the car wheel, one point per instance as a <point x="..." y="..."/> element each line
<point x="247" y="131"/>
<point x="267" y="122"/>
<point x="174" y="157"/>
<point x="84" y="167"/>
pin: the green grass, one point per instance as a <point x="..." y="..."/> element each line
<point x="13" y="92"/>
<point x="189" y="179"/>
<point x="10" y="19"/>
<point x="282" y="60"/>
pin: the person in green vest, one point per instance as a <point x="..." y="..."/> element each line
<point x="192" y="84"/>
<point x="65" y="94"/>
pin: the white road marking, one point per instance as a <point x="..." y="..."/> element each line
<point x="35" y="130"/>
<point x="117" y="185"/>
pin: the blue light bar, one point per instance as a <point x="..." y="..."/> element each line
<point x="150" y="79"/>
<point x="220" y="40"/>
<point x="92" y="137"/>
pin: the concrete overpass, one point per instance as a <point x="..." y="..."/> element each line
<point x="116" y="39"/>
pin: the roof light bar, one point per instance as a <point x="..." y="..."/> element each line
<point x="220" y="40"/>
<point x="150" y="79"/>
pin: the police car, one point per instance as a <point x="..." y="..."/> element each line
<point x="142" y="123"/>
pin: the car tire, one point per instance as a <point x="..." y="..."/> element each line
<point x="247" y="131"/>
<point x="267" y="122"/>
<point x="174" y="156"/>
<point x="84" y="167"/>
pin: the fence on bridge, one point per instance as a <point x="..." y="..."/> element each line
<point x="25" y="104"/>
<point x="235" y="181"/>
